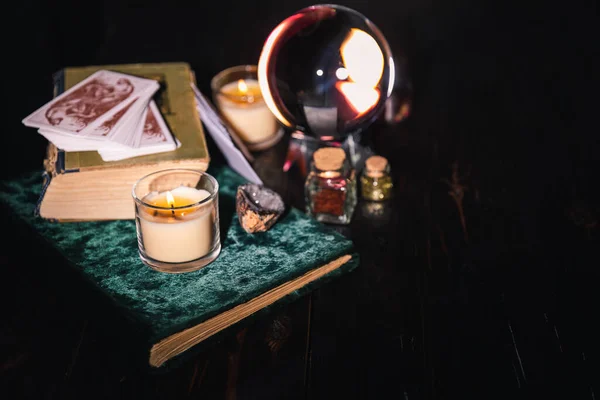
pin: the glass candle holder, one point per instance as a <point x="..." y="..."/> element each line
<point x="177" y="219"/>
<point x="238" y="98"/>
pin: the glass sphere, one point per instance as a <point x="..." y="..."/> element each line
<point x="326" y="71"/>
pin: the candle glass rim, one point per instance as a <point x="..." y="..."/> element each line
<point x="212" y="195"/>
<point x="217" y="81"/>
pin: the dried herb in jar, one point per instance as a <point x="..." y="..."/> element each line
<point x="330" y="187"/>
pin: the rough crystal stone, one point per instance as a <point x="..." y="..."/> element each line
<point x="258" y="208"/>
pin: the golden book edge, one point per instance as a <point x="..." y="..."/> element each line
<point x="177" y="343"/>
<point x="100" y="194"/>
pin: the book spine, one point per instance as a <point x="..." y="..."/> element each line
<point x="54" y="163"/>
<point x="47" y="177"/>
<point x="58" y="79"/>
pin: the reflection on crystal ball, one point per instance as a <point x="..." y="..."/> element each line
<point x="326" y="71"/>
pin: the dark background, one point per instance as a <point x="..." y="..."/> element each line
<point x="507" y="91"/>
<point x="532" y="66"/>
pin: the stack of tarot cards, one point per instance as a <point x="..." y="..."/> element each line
<point x="108" y="112"/>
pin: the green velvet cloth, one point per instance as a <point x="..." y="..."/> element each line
<point x="105" y="254"/>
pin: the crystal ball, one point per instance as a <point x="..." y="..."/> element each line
<point x="326" y="71"/>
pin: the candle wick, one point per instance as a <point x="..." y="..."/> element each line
<point x="172" y="209"/>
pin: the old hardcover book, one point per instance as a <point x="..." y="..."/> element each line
<point x="172" y="316"/>
<point x="81" y="186"/>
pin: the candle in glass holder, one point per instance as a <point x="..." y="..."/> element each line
<point x="177" y="220"/>
<point x="238" y="97"/>
<point x="183" y="233"/>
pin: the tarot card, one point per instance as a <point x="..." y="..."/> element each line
<point x="156" y="137"/>
<point x="125" y="128"/>
<point x="237" y="157"/>
<point x="90" y="102"/>
<point x="111" y="125"/>
<point x="156" y="131"/>
<point x="120" y="126"/>
<point x="68" y="143"/>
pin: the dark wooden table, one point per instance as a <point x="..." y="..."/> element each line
<point x="479" y="279"/>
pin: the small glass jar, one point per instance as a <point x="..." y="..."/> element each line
<point x="330" y="187"/>
<point x="375" y="180"/>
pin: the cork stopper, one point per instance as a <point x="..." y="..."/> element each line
<point x="376" y="166"/>
<point x="329" y="158"/>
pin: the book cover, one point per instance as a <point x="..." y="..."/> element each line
<point x="173" y="315"/>
<point x="78" y="185"/>
<point x="175" y="100"/>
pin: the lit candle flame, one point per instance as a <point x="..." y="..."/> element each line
<point x="170" y="199"/>
<point x="242" y="87"/>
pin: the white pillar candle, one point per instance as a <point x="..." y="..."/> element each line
<point x="180" y="234"/>
<point x="242" y="105"/>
